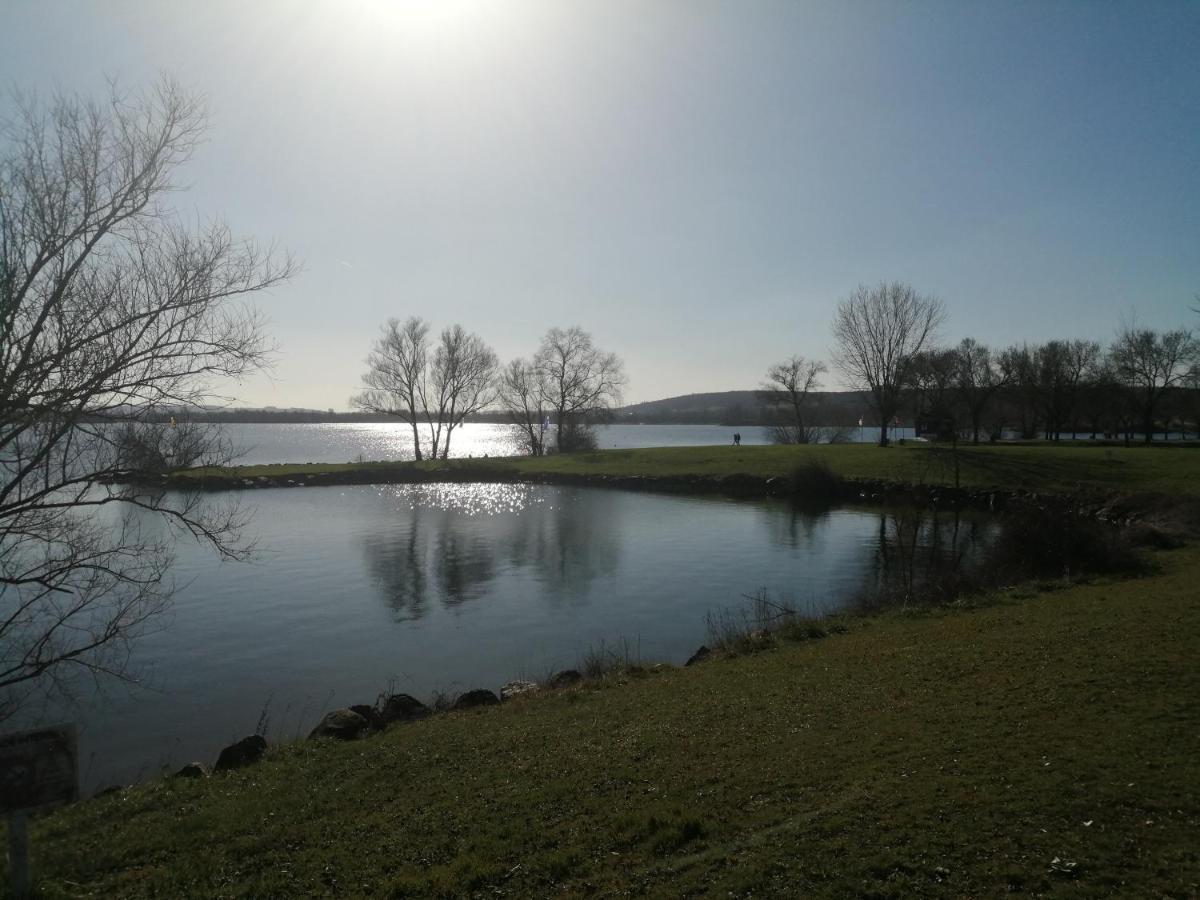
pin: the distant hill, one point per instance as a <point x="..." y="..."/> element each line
<point x="741" y="408"/>
<point x="726" y="407"/>
<point x="714" y="408"/>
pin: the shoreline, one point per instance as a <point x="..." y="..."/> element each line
<point x="1114" y="508"/>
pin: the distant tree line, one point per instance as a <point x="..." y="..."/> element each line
<point x="885" y="344"/>
<point x="1142" y="383"/>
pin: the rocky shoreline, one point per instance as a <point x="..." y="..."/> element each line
<point x="360" y="720"/>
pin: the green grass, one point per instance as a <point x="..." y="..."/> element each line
<point x="953" y="753"/>
<point x="1039" y="467"/>
<point x="957" y="754"/>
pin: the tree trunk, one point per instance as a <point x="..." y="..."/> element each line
<point x="416" y="438"/>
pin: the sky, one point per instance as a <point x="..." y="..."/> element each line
<point x="695" y="183"/>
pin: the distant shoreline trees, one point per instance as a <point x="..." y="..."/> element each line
<point x="1143" y="383"/>
<point x="522" y="393"/>
<point x="878" y="333"/>
<point x="885" y="345"/>
<point x="786" y="390"/>
<point x="568" y="383"/>
<point x="438" y="387"/>
<point x="580" y="383"/>
<point x="978" y="378"/>
<point x="1149" y="364"/>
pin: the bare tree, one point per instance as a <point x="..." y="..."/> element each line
<point x="581" y="384"/>
<point x="877" y="331"/>
<point x="1103" y="400"/>
<point x="930" y="375"/>
<point x="1150" y="364"/>
<point x="1017" y="364"/>
<point x="403" y="380"/>
<point x="396" y="368"/>
<point x="787" y="386"/>
<point x="461" y="383"/>
<point x="977" y="379"/>
<point x="1084" y="366"/>
<point x="110" y="309"/>
<point x="521" y="392"/>
<point x="1059" y="370"/>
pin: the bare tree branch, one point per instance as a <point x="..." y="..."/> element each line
<point x="787" y="386"/>
<point x="110" y="308"/>
<point x="580" y="384"/>
<point x="877" y="332"/>
<point x="403" y="380"/>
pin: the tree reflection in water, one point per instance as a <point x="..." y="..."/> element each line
<point x="450" y="542"/>
<point x="925" y="554"/>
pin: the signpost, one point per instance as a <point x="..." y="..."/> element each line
<point x="37" y="768"/>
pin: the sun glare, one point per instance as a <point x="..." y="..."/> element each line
<point x="434" y="21"/>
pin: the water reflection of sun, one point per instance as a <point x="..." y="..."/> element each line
<point x="466" y="499"/>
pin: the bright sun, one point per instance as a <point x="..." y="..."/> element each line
<point x="436" y="21"/>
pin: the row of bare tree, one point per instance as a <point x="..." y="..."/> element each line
<point x="885" y="345"/>
<point x="568" y="383"/>
<point x="1136" y="385"/>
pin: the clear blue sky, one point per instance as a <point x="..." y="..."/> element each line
<point x="695" y="183"/>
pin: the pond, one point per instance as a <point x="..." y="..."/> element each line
<point x="452" y="587"/>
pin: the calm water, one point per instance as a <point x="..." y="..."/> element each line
<point x="338" y="442"/>
<point x="372" y="441"/>
<point x="450" y="587"/>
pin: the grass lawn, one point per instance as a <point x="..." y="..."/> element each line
<point x="1040" y="467"/>
<point x="1042" y="742"/>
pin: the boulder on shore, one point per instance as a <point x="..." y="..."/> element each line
<point x="400" y="708"/>
<point x="193" y="770"/>
<point x="565" y="678"/>
<point x="367" y="712"/>
<point x="246" y="751"/>
<point x="343" y="724"/>
<point x="516" y="688"/>
<point x="699" y="656"/>
<point x="477" y="697"/>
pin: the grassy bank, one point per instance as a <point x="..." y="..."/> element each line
<point x="1041" y="742"/>
<point x="1033" y="741"/>
<point x="1038" y="467"/>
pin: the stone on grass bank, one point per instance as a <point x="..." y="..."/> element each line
<point x="477" y="697"/>
<point x="400" y="708"/>
<point x="343" y="724"/>
<point x="516" y="688"/>
<point x="246" y="751"/>
<point x="699" y="656"/>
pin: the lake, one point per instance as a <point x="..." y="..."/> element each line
<point x="452" y="587"/>
<point x="346" y="442"/>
